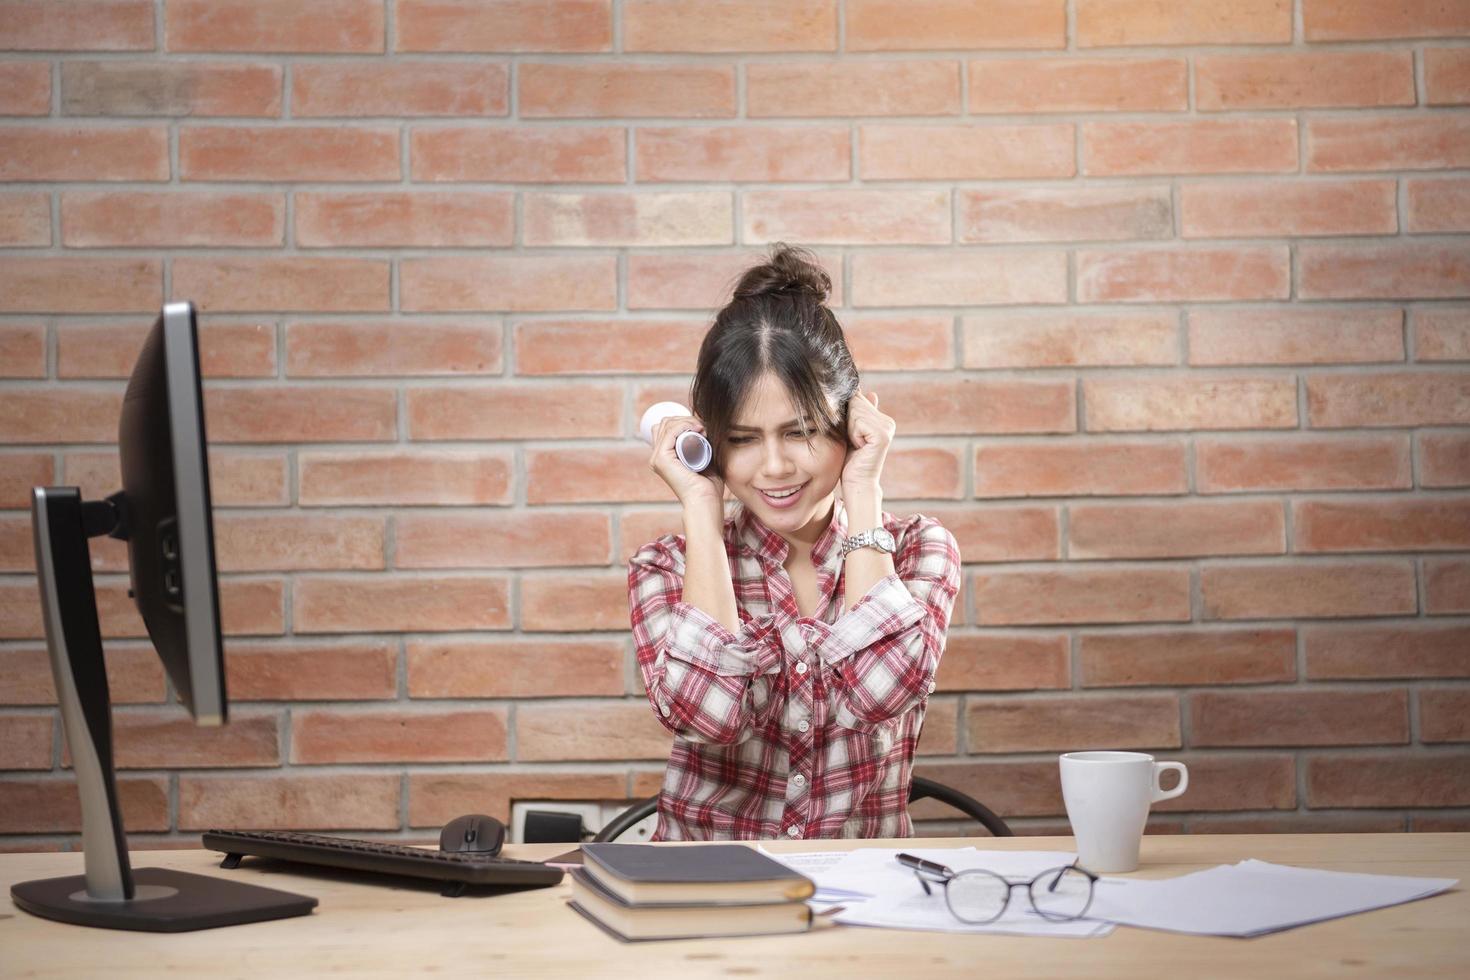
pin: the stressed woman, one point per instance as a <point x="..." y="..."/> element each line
<point x="791" y="648"/>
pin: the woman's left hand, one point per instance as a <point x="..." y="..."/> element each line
<point x="869" y="434"/>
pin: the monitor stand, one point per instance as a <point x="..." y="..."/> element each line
<point x="110" y="895"/>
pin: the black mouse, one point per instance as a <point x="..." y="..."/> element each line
<point x="473" y="832"/>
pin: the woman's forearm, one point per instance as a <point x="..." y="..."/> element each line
<point x="865" y="567"/>
<point x="707" y="584"/>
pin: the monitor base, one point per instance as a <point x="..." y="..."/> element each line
<point x="165" y="901"/>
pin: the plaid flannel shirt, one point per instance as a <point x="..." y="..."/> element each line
<point x="797" y="726"/>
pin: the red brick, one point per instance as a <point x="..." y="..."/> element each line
<point x="1200" y="146"/>
<point x="227" y="349"/>
<point x="508" y="283"/>
<point x="1444" y="716"/>
<point x="743" y="153"/>
<point x="1073" y="84"/>
<point x="784" y="25"/>
<point x="121" y="88"/>
<point x="1176" y="529"/>
<point x="396" y="735"/>
<point x="288" y="153"/>
<point x="413" y="478"/>
<point x="892" y="25"/>
<point x="90" y="285"/>
<point x="236" y="478"/>
<point x="953" y="278"/>
<point x="610" y="730"/>
<point x="523" y="669"/>
<point x="1444" y="459"/>
<point x="400" y="88"/>
<point x="89" y="153"/>
<point x="323" y="26"/>
<point x="77" y="25"/>
<point x="435" y="798"/>
<point x="1446" y="586"/>
<point x="25" y="740"/>
<point x="273" y="285"/>
<point x="503" y="25"/>
<point x="362" y="670"/>
<point x="1082" y="595"/>
<point x="509" y="540"/>
<point x="1229" y="465"/>
<point x="1000" y="662"/>
<point x="170" y="740"/>
<point x="59" y="414"/>
<point x="919" y="217"/>
<point x="16" y="551"/>
<point x="545" y="347"/>
<point x="1299" y="718"/>
<point x="392" y="219"/>
<point x="1437" y="205"/>
<point x="518" y="154"/>
<point x="1298" y="823"/>
<point x="47" y="806"/>
<point x="940" y="732"/>
<point x="1079" y="469"/>
<point x="1236" y="781"/>
<point x="622" y="219"/>
<point x="1163" y="404"/>
<point x="1442" y="334"/>
<point x="1074" y="214"/>
<point x="1278" y="209"/>
<point x="1070" y="339"/>
<point x="1446" y="76"/>
<point x="333" y="348"/>
<point x="25" y="88"/>
<point x="1370" y="20"/>
<point x="1001" y="533"/>
<point x="1368" y="141"/>
<point x="700" y="281"/>
<point x="1308" y="590"/>
<point x="1413" y="271"/>
<point x="587" y="475"/>
<point x="315" y="413"/>
<point x="852" y="88"/>
<point x="23" y="350"/>
<point x="1409" y="650"/>
<point x="153" y="219"/>
<point x="900" y="343"/>
<point x="1183" y="275"/>
<point x="967" y="406"/>
<point x="1308" y="80"/>
<point x="574" y="602"/>
<point x="966" y="151"/>
<point x="1425" y="524"/>
<point x="1286" y="335"/>
<point x="1178" y="658"/>
<point x="19" y="471"/>
<point x="935" y="474"/>
<point x="1388" y="399"/>
<point x="614" y="89"/>
<point x="1398" y="779"/>
<point x="400" y="604"/>
<point x="1130" y="23"/>
<point x="297" y="542"/>
<point x="25" y="219"/>
<point x="1071" y="723"/>
<point x="537" y="411"/>
<point x="349" y="801"/>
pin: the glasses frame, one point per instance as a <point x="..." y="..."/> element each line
<point x="944" y="876"/>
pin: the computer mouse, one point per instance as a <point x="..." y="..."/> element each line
<point x="473" y="832"/>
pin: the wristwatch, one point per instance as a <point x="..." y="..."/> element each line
<point x="878" y="537"/>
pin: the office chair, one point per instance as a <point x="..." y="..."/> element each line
<point x="921" y="789"/>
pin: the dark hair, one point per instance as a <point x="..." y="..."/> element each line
<point x="777" y="322"/>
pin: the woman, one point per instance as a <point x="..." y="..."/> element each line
<point x="791" y="649"/>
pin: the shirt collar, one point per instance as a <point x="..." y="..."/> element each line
<point x="753" y="534"/>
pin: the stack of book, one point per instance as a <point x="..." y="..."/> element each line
<point x="651" y="891"/>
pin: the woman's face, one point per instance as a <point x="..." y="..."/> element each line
<point x="768" y="450"/>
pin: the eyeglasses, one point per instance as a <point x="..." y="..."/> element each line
<point x="976" y="896"/>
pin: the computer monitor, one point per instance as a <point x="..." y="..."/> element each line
<point x="163" y="513"/>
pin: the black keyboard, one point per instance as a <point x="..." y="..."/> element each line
<point x="456" y="869"/>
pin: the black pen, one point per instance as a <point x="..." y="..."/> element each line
<point x="919" y="864"/>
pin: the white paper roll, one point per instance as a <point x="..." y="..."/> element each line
<point x="692" y="448"/>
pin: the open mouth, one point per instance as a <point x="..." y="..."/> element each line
<point x="784" y="499"/>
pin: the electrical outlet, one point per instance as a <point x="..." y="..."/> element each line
<point x="591" y="814"/>
<point x="640" y="833"/>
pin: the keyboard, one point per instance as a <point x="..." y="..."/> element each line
<point x="455" y="869"/>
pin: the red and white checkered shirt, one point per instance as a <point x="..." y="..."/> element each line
<point x="798" y="726"/>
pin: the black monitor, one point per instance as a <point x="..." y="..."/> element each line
<point x="163" y="513"/>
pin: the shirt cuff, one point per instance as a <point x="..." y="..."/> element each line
<point x="887" y="608"/>
<point x="699" y="639"/>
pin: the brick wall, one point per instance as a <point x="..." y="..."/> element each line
<point x="1169" y="302"/>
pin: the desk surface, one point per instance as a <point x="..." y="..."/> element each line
<point x="370" y="929"/>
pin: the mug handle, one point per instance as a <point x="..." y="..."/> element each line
<point x="1168" y="794"/>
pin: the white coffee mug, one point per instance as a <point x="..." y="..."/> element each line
<point x="1107" y="796"/>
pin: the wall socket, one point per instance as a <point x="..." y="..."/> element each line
<point x="595" y="815"/>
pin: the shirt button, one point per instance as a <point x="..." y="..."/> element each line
<point x="799" y="779"/>
<point x="801" y="667"/>
<point x="931" y="687"/>
<point x="666" y="710"/>
<point x="793" y="831"/>
<point x="803" y="725"/>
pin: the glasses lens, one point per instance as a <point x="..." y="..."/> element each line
<point x="1062" y="893"/>
<point x="977" y="896"/>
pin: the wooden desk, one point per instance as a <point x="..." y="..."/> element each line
<point x="368" y="929"/>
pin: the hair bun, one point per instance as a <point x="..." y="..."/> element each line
<point x="790" y="270"/>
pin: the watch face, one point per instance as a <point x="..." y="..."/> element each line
<point x="884" y="539"/>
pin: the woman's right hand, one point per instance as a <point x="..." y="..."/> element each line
<point x="688" y="486"/>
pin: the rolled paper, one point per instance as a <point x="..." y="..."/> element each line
<point x="692" y="448"/>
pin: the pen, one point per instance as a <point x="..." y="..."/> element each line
<point x="919" y="864"/>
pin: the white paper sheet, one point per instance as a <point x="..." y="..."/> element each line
<point x="1252" y="898"/>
